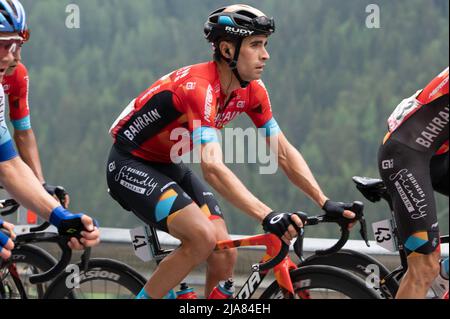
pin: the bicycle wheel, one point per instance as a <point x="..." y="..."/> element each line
<point x="323" y="282"/>
<point x="103" y="279"/>
<point x="27" y="260"/>
<point x="362" y="265"/>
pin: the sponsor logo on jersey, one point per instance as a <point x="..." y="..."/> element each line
<point x="223" y="118"/>
<point x="140" y="123"/>
<point x="181" y="73"/>
<point x="411" y="193"/>
<point x="149" y="92"/>
<point x="191" y="85"/>
<point x="208" y="103"/>
<point x="434" y="128"/>
<point x="438" y="88"/>
<point x="387" y="164"/>
<point x="112" y="166"/>
<point x="136" y="180"/>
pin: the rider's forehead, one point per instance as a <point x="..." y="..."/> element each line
<point x="254" y="38"/>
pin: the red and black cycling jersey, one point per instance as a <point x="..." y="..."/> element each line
<point x="16" y="87"/>
<point x="187" y="103"/>
<point x="413" y="163"/>
<point x="434" y="93"/>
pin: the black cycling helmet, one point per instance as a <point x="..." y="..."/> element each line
<point x="237" y="22"/>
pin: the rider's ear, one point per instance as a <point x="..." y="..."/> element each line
<point x="226" y="50"/>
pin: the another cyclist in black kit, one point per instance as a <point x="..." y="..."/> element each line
<point x="413" y="163"/>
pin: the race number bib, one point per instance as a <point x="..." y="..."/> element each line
<point x="384" y="235"/>
<point x="141" y="244"/>
<point x="401" y="112"/>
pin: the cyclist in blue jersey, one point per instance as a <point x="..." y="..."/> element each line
<point x="14" y="173"/>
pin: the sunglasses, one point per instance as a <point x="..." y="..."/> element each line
<point x="10" y="45"/>
<point x="262" y="23"/>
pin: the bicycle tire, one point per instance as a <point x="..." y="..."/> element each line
<point x="321" y="277"/>
<point x="98" y="269"/>
<point x="39" y="260"/>
<point x="357" y="263"/>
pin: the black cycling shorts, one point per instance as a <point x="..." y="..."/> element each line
<point x="156" y="192"/>
<point x="412" y="172"/>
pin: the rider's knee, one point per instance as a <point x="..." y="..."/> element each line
<point x="227" y="258"/>
<point x="231" y="256"/>
<point x="201" y="243"/>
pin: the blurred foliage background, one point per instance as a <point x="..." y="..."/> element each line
<point x="332" y="80"/>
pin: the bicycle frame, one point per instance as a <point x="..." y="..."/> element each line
<point x="276" y="256"/>
<point x="281" y="271"/>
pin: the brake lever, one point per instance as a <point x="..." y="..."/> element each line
<point x="9" y="203"/>
<point x="357" y="208"/>
<point x="61" y="193"/>
<point x="85" y="258"/>
<point x="363" y="231"/>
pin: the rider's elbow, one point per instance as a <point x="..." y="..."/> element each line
<point x="212" y="170"/>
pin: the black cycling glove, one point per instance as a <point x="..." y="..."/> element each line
<point x="277" y="223"/>
<point x="67" y="223"/>
<point x="335" y="209"/>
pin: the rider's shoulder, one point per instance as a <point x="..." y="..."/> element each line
<point x="21" y="72"/>
<point x="21" y="68"/>
<point x="257" y="89"/>
<point x="195" y="77"/>
<point x="435" y="89"/>
<point x="258" y="85"/>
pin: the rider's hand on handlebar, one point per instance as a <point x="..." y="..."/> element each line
<point x="338" y="209"/>
<point x="89" y="237"/>
<point x="282" y="225"/>
<point x="82" y="229"/>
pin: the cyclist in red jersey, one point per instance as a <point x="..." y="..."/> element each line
<point x="186" y="108"/>
<point x="16" y="86"/>
<point x="413" y="163"/>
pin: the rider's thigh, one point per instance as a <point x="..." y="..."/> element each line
<point x="439" y="167"/>
<point x="406" y="174"/>
<point x="201" y="194"/>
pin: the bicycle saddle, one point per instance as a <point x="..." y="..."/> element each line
<point x="373" y="189"/>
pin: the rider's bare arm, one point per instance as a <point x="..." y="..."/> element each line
<point x="224" y="181"/>
<point x="28" y="150"/>
<point x="23" y="185"/>
<point x="297" y="170"/>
